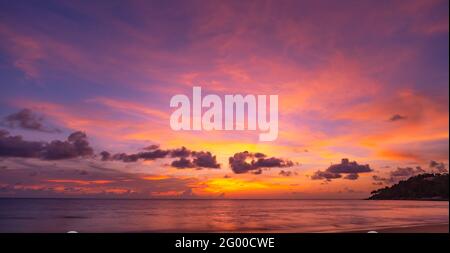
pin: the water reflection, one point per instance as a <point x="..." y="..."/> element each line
<point x="52" y="215"/>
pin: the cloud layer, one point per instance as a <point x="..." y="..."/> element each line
<point x="351" y="169"/>
<point x="403" y="173"/>
<point x="187" y="158"/>
<point x="76" y="145"/>
<point x="247" y="162"/>
<point x="27" y="119"/>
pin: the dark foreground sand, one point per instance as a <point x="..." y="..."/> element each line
<point x="436" y="228"/>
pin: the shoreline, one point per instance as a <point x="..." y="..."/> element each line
<point x="438" y="228"/>
<point x="429" y="228"/>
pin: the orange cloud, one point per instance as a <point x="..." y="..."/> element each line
<point x="155" y="177"/>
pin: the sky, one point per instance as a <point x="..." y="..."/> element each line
<point x="363" y="89"/>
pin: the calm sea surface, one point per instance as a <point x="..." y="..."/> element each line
<point x="62" y="215"/>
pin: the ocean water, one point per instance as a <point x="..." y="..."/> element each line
<point x="94" y="215"/>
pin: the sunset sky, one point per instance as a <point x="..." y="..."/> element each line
<point x="366" y="81"/>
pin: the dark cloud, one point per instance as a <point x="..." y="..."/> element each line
<point x="244" y="162"/>
<point x="148" y="155"/>
<point x="349" y="167"/>
<point x="152" y="155"/>
<point x="397" y="117"/>
<point x="238" y="163"/>
<point x="380" y="180"/>
<point x="180" y="152"/>
<point x="200" y="159"/>
<point x="400" y="173"/>
<point x="76" y="145"/>
<point x="286" y="173"/>
<point x="182" y="163"/>
<point x="187" y="158"/>
<point x="325" y="175"/>
<point x="259" y="155"/>
<point x="125" y="157"/>
<point x="26" y="119"/>
<point x="205" y="160"/>
<point x="15" y="146"/>
<point x="272" y="162"/>
<point x="105" y="156"/>
<point x="438" y="167"/>
<point x="352" y="169"/>
<point x="352" y="176"/>
<point x="151" y="147"/>
<point x="406" y="172"/>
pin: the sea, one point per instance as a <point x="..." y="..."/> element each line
<point x="223" y="215"/>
